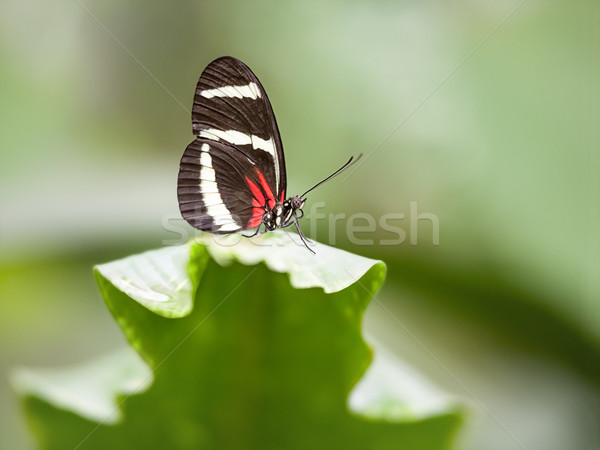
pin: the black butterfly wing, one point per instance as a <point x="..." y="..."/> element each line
<point x="231" y="106"/>
<point x="236" y="166"/>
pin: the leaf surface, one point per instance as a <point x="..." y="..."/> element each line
<point x="252" y="345"/>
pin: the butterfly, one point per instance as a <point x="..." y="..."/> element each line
<point x="232" y="177"/>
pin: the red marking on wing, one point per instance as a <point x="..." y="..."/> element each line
<point x="267" y="189"/>
<point x="255" y="220"/>
<point x="282" y="196"/>
<point x="258" y="204"/>
<point x="258" y="195"/>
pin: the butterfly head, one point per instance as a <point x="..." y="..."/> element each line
<point x="292" y="208"/>
<point x="296" y="202"/>
<point x="283" y="214"/>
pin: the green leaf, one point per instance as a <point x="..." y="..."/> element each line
<point x="91" y="389"/>
<point x="253" y="345"/>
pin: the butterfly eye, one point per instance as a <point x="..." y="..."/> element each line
<point x="297" y="202"/>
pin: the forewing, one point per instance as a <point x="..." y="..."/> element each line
<point x="232" y="107"/>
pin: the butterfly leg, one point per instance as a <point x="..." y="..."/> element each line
<point x="302" y="237"/>
<point x="295" y="221"/>
<point x="255" y="233"/>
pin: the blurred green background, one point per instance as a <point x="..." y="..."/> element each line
<point x="483" y="113"/>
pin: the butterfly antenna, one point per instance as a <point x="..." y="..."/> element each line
<point x="336" y="173"/>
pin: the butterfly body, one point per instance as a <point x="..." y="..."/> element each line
<point x="232" y="177"/>
<point x="282" y="214"/>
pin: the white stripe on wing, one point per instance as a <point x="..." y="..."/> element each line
<point x="211" y="196"/>
<point x="250" y="90"/>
